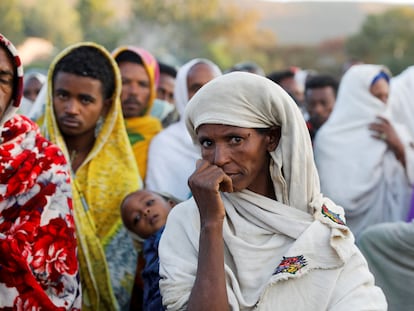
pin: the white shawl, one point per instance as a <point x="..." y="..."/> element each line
<point x="389" y="249"/>
<point x="402" y="111"/>
<point x="356" y="170"/>
<point x="172" y="154"/>
<point x="289" y="254"/>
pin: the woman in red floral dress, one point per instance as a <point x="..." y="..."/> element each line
<point x="38" y="262"/>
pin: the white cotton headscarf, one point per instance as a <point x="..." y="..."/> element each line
<point x="231" y="101"/>
<point x="172" y="154"/>
<point x="401" y="99"/>
<point x="402" y="111"/>
<point x="38" y="107"/>
<point x="257" y="231"/>
<point x="356" y="170"/>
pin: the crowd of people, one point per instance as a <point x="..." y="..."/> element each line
<point x="132" y="184"/>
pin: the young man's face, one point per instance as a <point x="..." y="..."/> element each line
<point x="136" y="89"/>
<point x="6" y="80"/>
<point x="320" y="102"/>
<point x="78" y="103"/>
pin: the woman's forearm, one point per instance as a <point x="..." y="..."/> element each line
<point x="209" y="291"/>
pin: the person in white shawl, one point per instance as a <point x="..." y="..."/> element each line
<point x="257" y="233"/>
<point x="362" y="155"/>
<point x="402" y="110"/>
<point x="172" y="155"/>
<point x="389" y="247"/>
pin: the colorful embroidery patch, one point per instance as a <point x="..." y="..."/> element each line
<point x="291" y="264"/>
<point x="332" y="216"/>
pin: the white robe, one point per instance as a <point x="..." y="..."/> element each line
<point x="389" y="249"/>
<point x="295" y="253"/>
<point x="402" y="111"/>
<point x="172" y="154"/>
<point x="356" y="170"/>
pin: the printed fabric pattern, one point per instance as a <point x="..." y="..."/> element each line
<point x="106" y="253"/>
<point x="38" y="262"/>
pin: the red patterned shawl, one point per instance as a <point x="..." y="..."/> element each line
<point x="38" y="262"/>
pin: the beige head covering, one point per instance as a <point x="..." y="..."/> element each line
<point x="248" y="100"/>
<point x="259" y="233"/>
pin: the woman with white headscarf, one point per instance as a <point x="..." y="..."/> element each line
<point x="389" y="247"/>
<point x="361" y="154"/>
<point x="258" y="234"/>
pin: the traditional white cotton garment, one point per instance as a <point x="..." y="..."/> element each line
<point x="356" y="170"/>
<point x="402" y="111"/>
<point x="295" y="253"/>
<point x="38" y="107"/>
<point x="172" y="154"/>
<point x="389" y="249"/>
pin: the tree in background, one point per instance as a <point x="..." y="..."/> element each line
<point x="11" y="21"/>
<point x="56" y="21"/>
<point x="386" y="38"/>
<point x="221" y="30"/>
<point x="99" y="22"/>
<point x="180" y="30"/>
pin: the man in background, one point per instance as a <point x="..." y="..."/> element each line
<point x="320" y="96"/>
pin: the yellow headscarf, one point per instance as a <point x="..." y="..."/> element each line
<point x="106" y="253"/>
<point x="143" y="128"/>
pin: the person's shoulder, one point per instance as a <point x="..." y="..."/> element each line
<point x="43" y="146"/>
<point x="184" y="211"/>
<point x="165" y="137"/>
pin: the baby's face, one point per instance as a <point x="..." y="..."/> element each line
<point x="145" y="212"/>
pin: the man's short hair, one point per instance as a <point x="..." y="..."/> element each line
<point x="167" y="69"/>
<point x="128" y="56"/>
<point x="320" y="81"/>
<point x="279" y="76"/>
<point x="88" y="61"/>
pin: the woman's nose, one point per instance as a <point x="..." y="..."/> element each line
<point x="220" y="155"/>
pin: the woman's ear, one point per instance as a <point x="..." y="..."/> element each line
<point x="273" y="138"/>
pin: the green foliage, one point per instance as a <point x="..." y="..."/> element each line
<point x="221" y="30"/>
<point x="98" y="22"/>
<point x="218" y="30"/>
<point x="56" y="21"/>
<point x="11" y="21"/>
<point x="386" y="39"/>
<point x="166" y="12"/>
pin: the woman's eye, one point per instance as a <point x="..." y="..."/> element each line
<point x="150" y="202"/>
<point x="206" y="143"/>
<point x="236" y="139"/>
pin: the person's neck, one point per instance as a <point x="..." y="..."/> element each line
<point x="78" y="149"/>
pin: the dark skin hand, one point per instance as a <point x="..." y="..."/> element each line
<point x="206" y="183"/>
<point x="383" y="130"/>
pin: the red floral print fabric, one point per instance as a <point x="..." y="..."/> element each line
<point x="38" y="252"/>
